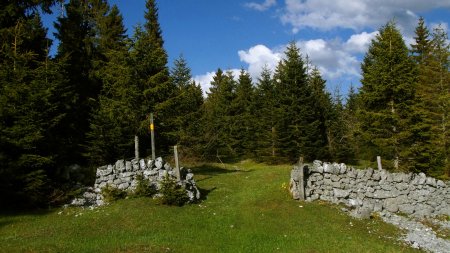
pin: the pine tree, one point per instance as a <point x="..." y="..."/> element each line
<point x="218" y="117"/>
<point x="351" y="124"/>
<point x="186" y="108"/>
<point x="297" y="127"/>
<point x="422" y="149"/>
<point x="387" y="94"/>
<point x="265" y="116"/>
<point x="440" y="100"/>
<point x="324" y="116"/>
<point x="243" y="121"/>
<point x="111" y="132"/>
<point x="29" y="110"/>
<point x="76" y="33"/>
<point x="151" y="77"/>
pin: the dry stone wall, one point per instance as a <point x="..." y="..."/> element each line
<point x="124" y="175"/>
<point x="371" y="190"/>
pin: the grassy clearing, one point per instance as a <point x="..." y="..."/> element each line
<point x="246" y="209"/>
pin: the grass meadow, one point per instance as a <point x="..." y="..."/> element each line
<point x="245" y="208"/>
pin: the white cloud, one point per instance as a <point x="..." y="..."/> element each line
<point x="204" y="81"/>
<point x="257" y="57"/>
<point x="442" y="25"/>
<point x="331" y="58"/>
<point x="359" y="43"/>
<point x="355" y="14"/>
<point x="261" y="6"/>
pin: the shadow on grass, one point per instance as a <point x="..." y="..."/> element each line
<point x="8" y="215"/>
<point x="211" y="170"/>
<point x="204" y="193"/>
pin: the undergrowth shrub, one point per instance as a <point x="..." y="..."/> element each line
<point x="36" y="188"/>
<point x="143" y="188"/>
<point x="111" y="194"/>
<point x="172" y="193"/>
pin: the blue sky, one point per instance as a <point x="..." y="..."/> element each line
<point x="249" y="34"/>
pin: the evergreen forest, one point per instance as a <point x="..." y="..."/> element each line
<point x="64" y="115"/>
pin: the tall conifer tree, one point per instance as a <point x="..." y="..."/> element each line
<point x="297" y="127"/>
<point x="265" y="116"/>
<point x="243" y="116"/>
<point x="186" y="108"/>
<point x="387" y="94"/>
<point x="76" y="33"/>
<point x="111" y="133"/>
<point x="324" y="116"/>
<point x="218" y="117"/>
<point x="29" y="109"/>
<point x="151" y="77"/>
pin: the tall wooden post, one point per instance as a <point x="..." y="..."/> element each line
<point x="301" y="186"/>
<point x="152" y="132"/>
<point x="177" y="167"/>
<point x="379" y="162"/>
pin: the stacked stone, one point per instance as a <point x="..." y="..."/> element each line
<point x="124" y="175"/>
<point x="376" y="190"/>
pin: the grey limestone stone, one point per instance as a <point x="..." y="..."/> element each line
<point x="431" y="181"/>
<point x="369" y="173"/>
<point x="335" y="178"/>
<point x="361" y="174"/>
<point x="391" y="205"/>
<point x="159" y="163"/>
<point x="351" y="173"/>
<point x="361" y="213"/>
<point x="376" y="175"/>
<point x="150" y="163"/>
<point x="378" y="206"/>
<point x="406" y="208"/>
<point x="128" y="166"/>
<point x="120" y="166"/>
<point x="397" y="177"/>
<point x="142" y="164"/>
<point x="327" y="168"/>
<point x="338" y="193"/>
<point x="296" y="174"/>
<point x="336" y="185"/>
<point x="440" y="183"/>
<point x="123" y="186"/>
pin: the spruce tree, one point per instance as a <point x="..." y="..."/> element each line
<point x="387" y="95"/>
<point x="186" y="108"/>
<point x="325" y="117"/>
<point x="297" y="126"/>
<point x="351" y="123"/>
<point x="76" y="33"/>
<point x="151" y="77"/>
<point x="243" y="121"/>
<point x="422" y="149"/>
<point x="111" y="134"/>
<point x="29" y="109"/>
<point x="439" y="101"/>
<point x="265" y="116"/>
<point x="218" y="116"/>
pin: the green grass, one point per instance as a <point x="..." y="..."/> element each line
<point x="246" y="209"/>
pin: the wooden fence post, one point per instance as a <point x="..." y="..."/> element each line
<point x="152" y="135"/>
<point x="177" y="167"/>
<point x="379" y="162"/>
